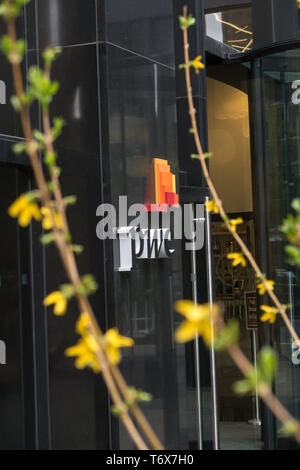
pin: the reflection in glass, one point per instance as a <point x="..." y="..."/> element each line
<point x="229" y="140"/>
<point x="11" y="418"/>
<point x="143" y="126"/>
<point x="282" y="179"/>
<point x="232" y="27"/>
<point x="143" y="27"/>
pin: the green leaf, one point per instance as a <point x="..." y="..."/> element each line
<point x="15" y="102"/>
<point x="47" y="238"/>
<point x="57" y="170"/>
<point x="182" y="22"/>
<point x="52" y="186"/>
<point x="293" y="255"/>
<point x="39" y="136"/>
<point x="88" y="285"/>
<point x="118" y="410"/>
<point x="50" y="54"/>
<point x="242" y="387"/>
<point x="6" y="45"/>
<point x="59" y="123"/>
<point x="21" y="47"/>
<point x="185" y="23"/>
<point x="208" y="155"/>
<point x="144" y="396"/>
<point x="53" y="88"/>
<point x="19" y="148"/>
<point x="135" y="395"/>
<point x="67" y="291"/>
<point x="33" y="195"/>
<point x="296" y="205"/>
<point x="228" y="336"/>
<point x="290" y="428"/>
<point x="190" y="20"/>
<point x="3" y="9"/>
<point x="267" y="364"/>
<point x="18" y="4"/>
<point x="26" y="99"/>
<point x="68" y="238"/>
<point x="13" y="9"/>
<point x="78" y="249"/>
<point x="70" y="200"/>
<point x="41" y="87"/>
<point x="50" y="159"/>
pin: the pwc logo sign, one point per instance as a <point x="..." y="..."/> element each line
<point x="148" y="231"/>
<point x="161" y="187"/>
<point x="141" y="239"/>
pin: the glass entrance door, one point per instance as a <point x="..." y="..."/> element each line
<point x="276" y="114"/>
<point x="231" y="171"/>
<point x="13" y="314"/>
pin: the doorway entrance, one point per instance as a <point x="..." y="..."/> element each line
<point x="234" y="288"/>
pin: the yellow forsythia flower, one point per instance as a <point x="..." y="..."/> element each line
<point x="59" y="302"/>
<point x="235" y="222"/>
<point x="86" y="348"/>
<point x="24" y="209"/>
<point x="198" y="319"/>
<point x="85" y="355"/>
<point x="197" y="64"/>
<point x="270" y="313"/>
<point x="237" y="258"/>
<point x="47" y="219"/>
<point x="114" y="342"/>
<point x="262" y="288"/>
<point x="82" y="324"/>
<point x="211" y="206"/>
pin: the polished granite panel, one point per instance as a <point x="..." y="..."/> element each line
<point x="142" y="117"/>
<point x="66" y="22"/>
<point x="78" y="151"/>
<point x="142" y="126"/>
<point x="9" y="120"/>
<point x="30" y="25"/>
<point x="11" y="383"/>
<point x="191" y="174"/>
<point x="77" y="99"/>
<point x="77" y="397"/>
<point x="142" y="26"/>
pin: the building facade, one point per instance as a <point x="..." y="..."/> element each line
<point x="124" y="101"/>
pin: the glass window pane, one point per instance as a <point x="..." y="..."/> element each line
<point x="142" y="127"/>
<point x="11" y="418"/>
<point x="282" y="163"/>
<point x="232" y="27"/>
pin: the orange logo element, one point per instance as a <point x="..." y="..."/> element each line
<point x="161" y="187"/>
